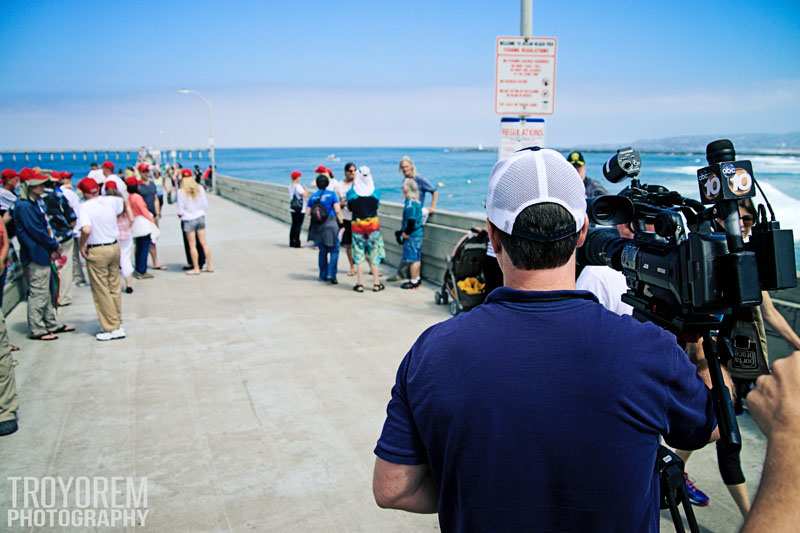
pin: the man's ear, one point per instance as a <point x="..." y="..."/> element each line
<point x="584" y="232"/>
<point x="494" y="238"/>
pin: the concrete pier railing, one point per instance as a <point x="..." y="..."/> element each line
<point x="442" y="232"/>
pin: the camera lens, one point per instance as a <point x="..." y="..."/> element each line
<point x="720" y="151"/>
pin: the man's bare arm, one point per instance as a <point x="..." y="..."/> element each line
<point x="434" y="200"/>
<point x="404" y="487"/>
<point x="85" y="231"/>
<point x="775" y="406"/>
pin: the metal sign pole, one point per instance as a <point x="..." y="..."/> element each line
<point x="526" y="30"/>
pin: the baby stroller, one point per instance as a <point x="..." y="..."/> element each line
<point x="464" y="281"/>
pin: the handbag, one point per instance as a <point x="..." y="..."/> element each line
<point x="142" y="227"/>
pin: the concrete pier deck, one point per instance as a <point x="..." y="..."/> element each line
<point x="250" y="398"/>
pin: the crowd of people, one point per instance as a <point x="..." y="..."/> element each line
<point x="650" y="387"/>
<point x="344" y="214"/>
<point x="104" y="233"/>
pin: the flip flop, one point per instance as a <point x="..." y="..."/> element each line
<point x="161" y="267"/>
<point x="359" y="288"/>
<point x="14" y="348"/>
<point x="64" y="329"/>
<point x="192" y="273"/>
<point x="44" y="337"/>
<point x="378" y="288"/>
<point x="207" y="271"/>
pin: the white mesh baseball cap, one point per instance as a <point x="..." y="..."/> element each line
<point x="534" y="176"/>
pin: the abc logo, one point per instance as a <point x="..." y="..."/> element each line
<point x="740" y="182"/>
<point x="712" y="185"/>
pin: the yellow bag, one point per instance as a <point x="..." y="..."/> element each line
<point x="471" y="286"/>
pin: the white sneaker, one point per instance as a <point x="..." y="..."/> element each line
<point x="104" y="336"/>
<point x="118" y="333"/>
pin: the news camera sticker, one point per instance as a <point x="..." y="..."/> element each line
<point x="711" y="185"/>
<point x="739" y="180"/>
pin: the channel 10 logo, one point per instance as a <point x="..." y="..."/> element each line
<point x="726" y="181"/>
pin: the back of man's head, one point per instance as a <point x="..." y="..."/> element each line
<point x="537" y="206"/>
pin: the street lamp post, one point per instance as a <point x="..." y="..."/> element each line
<point x="210" y="134"/>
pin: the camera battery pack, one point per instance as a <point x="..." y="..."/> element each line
<point x="742" y="284"/>
<point x="774" y="249"/>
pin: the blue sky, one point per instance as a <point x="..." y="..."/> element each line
<point x="87" y="74"/>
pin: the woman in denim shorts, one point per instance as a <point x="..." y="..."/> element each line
<point x="192" y="206"/>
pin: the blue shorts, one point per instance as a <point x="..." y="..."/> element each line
<point x="412" y="248"/>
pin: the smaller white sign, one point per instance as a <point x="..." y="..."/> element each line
<point x="518" y="133"/>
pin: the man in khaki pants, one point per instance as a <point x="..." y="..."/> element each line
<point x="37" y="249"/>
<point x="99" y="234"/>
<point x="8" y="387"/>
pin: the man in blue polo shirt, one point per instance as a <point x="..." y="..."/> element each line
<point x="539" y="410"/>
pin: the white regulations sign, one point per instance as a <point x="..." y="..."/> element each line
<point x="525" y="76"/>
<point x="518" y="133"/>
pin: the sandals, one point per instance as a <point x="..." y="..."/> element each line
<point x="63" y="329"/>
<point x="378" y="287"/>
<point x="192" y="273"/>
<point x="359" y="288"/>
<point x="44" y="337"/>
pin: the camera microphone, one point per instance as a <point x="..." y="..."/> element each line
<point x="626" y="163"/>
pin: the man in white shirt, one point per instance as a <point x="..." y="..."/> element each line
<point x="99" y="234"/>
<point x="606" y="283"/>
<point x="108" y="175"/>
<point x="96" y="174"/>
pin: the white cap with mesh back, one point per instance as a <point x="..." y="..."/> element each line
<point x="534" y="176"/>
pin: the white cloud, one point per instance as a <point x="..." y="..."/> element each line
<point x="444" y="116"/>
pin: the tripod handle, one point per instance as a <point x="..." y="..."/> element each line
<point x="723" y="405"/>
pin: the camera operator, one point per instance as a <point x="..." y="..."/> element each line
<point x="539" y="410"/>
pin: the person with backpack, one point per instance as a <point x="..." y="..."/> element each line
<point x="297" y="200"/>
<point x="62" y="219"/>
<point x="325" y="212"/>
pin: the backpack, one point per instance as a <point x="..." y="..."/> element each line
<point x="296" y="204"/>
<point x="319" y="214"/>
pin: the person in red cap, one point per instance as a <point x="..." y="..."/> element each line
<point x="8" y="198"/>
<point x="69" y="193"/>
<point x="8" y="387"/>
<point x="143" y="227"/>
<point x="149" y="192"/>
<point x="109" y="175"/>
<point x="38" y="248"/>
<point x="8" y="193"/>
<point x="297" y="201"/>
<point x="62" y="219"/>
<point x="100" y="247"/>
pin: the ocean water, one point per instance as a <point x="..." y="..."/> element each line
<point x="461" y="174"/>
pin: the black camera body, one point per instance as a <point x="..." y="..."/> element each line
<point x="682" y="273"/>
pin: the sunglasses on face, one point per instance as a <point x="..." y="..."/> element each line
<point x="748" y="219"/>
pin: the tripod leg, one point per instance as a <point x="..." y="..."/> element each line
<point x="675" y="512"/>
<point x="726" y="417"/>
